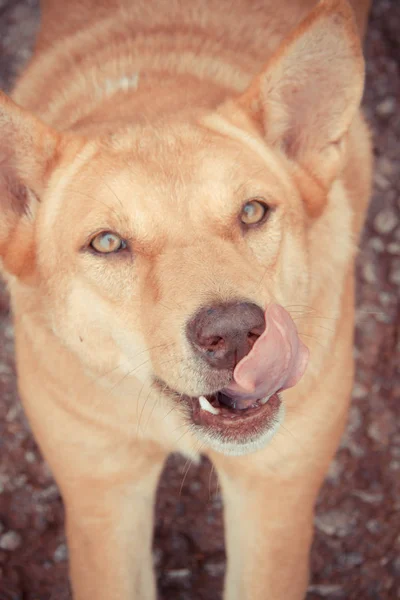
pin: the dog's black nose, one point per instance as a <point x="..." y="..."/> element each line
<point x="225" y="333"/>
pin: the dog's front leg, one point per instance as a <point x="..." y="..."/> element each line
<point x="108" y="480"/>
<point x="109" y="523"/>
<point x="269" y="524"/>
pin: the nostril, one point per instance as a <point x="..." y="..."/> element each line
<point x="211" y="344"/>
<point x="252" y="337"/>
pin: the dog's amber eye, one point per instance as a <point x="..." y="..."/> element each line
<point x="107" y="242"/>
<point x="253" y="212"/>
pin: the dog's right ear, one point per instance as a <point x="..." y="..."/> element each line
<point x="29" y="151"/>
<point x="306" y="97"/>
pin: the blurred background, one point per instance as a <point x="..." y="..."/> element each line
<point x="356" y="553"/>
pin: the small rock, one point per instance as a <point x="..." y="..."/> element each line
<point x="335" y="522"/>
<point x="369" y="273"/>
<point x="352" y="559"/>
<point x="351" y="445"/>
<point x="381" y="181"/>
<point x="385" y="298"/>
<point x="359" y="391"/>
<point x="5" y="369"/>
<point x="386" y="166"/>
<point x="385" y="221"/>
<point x="376" y="244"/>
<point x="20" y="481"/>
<point x="48" y="494"/>
<point x="325" y="589"/>
<point x="195" y="486"/>
<point x="355" y="420"/>
<point x="157" y="557"/>
<point x="178" y="573"/>
<point x="30" y="457"/>
<point x="10" y="541"/>
<point x="13" y="413"/>
<point x="61" y="553"/>
<point x="217" y="501"/>
<point x="215" y="569"/>
<point x="382" y="427"/>
<point x="369" y="497"/>
<point x="335" y="471"/>
<point x="374" y="526"/>
<point x="386" y="107"/>
<point x="8" y="332"/>
<point x="394" y="248"/>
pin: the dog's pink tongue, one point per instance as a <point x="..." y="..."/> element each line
<point x="276" y="362"/>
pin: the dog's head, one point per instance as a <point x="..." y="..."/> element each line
<point x="173" y="252"/>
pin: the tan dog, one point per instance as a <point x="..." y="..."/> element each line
<point x="199" y="171"/>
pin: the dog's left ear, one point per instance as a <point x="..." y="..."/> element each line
<point x="28" y="154"/>
<point x="309" y="92"/>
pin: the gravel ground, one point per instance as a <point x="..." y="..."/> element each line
<point x="356" y="553"/>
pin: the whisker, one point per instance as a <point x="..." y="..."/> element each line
<point x="141" y="412"/>
<point x="321" y="327"/>
<point x="188" y="464"/>
<point x="137" y="409"/>
<point x="313" y="338"/>
<point x="188" y="468"/>
<point x="113" y="193"/>
<point x="315" y="317"/>
<point x="183" y="435"/>
<point x="293" y="436"/>
<point x="210" y="481"/>
<point x="262" y="278"/>
<point x="151" y="413"/>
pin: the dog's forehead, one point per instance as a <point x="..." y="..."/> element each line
<point x="192" y="160"/>
<point x="185" y="150"/>
<point x="180" y="152"/>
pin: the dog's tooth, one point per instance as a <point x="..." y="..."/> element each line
<point x="265" y="400"/>
<point x="205" y="405"/>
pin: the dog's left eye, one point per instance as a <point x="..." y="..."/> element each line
<point x="254" y="212"/>
<point x="107" y="242"/>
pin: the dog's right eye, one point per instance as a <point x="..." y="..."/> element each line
<point x="107" y="242"/>
<point x="254" y="212"/>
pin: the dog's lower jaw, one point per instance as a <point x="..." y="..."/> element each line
<point x="229" y="446"/>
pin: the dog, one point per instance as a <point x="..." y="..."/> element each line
<point x="182" y="190"/>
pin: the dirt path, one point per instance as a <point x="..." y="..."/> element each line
<point x="356" y="553"/>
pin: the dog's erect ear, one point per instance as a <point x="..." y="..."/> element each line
<point x="309" y="92"/>
<point x="28" y="153"/>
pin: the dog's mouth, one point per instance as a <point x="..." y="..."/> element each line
<point x="224" y="406"/>
<point x="226" y="417"/>
<point x="221" y="410"/>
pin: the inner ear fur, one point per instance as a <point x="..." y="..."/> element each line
<point x="306" y="97"/>
<point x="29" y="151"/>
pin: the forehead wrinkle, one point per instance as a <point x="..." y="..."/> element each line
<point x="69" y="172"/>
<point x="223" y="127"/>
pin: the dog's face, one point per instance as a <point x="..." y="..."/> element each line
<point x="156" y="252"/>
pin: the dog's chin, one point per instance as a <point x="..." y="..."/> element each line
<point x="236" y="445"/>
